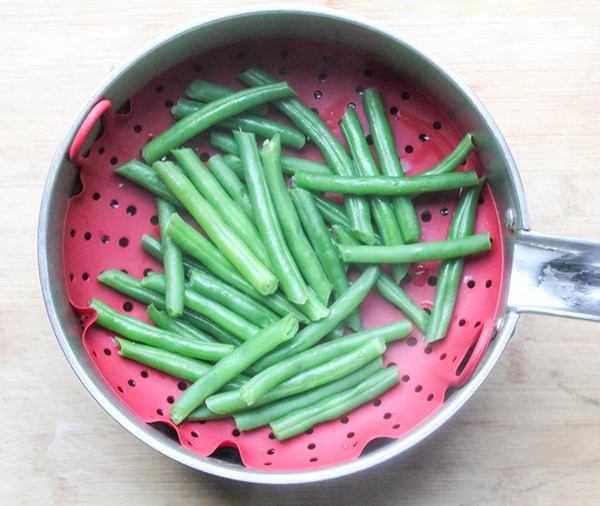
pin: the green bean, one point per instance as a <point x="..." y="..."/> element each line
<point x="133" y="288"/>
<point x="322" y="241"/>
<point x="172" y="262"/>
<point x="337" y="158"/>
<point x="450" y="272"/>
<point x="390" y="163"/>
<point x="226" y="142"/>
<point x="229" y="367"/>
<point x="386" y="286"/>
<point x="301" y="249"/>
<point x="229" y="402"/>
<point x="276" y="302"/>
<point x="163" y="321"/>
<point x="384" y="185"/>
<point x="454" y="159"/>
<point x="197" y="246"/>
<point x="202" y="413"/>
<point x="337" y="332"/>
<point x="255" y="124"/>
<point x="335" y="406"/>
<point x="143" y="175"/>
<point x="334" y="214"/>
<point x="153" y="247"/>
<point x="214" y="193"/>
<point x="258" y="125"/>
<point x="292" y="164"/>
<point x="232" y="247"/>
<point x="136" y="330"/>
<point x="257" y="417"/>
<point x="210" y="115"/>
<point x="315" y="331"/>
<point x="210" y="327"/>
<point x="423" y="252"/>
<point x="192" y="320"/>
<point x="205" y="91"/>
<point x="176" y="365"/>
<point x="231" y="184"/>
<point x="222" y="316"/>
<point x="184" y="107"/>
<point x="467" y="212"/>
<point x="277" y="373"/>
<point x="381" y="208"/>
<point x="233" y="299"/>
<point x="440" y="318"/>
<point x="270" y="230"/>
<point x="289" y="164"/>
<point x="235" y="164"/>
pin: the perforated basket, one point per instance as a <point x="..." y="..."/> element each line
<point x="102" y="226"/>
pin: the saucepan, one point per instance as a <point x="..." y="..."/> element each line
<point x="91" y="220"/>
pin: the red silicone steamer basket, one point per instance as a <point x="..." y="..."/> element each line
<point x="328" y="58"/>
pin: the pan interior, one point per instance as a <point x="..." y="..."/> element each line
<point x="105" y="222"/>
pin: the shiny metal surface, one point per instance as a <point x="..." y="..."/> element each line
<point x="557" y="276"/>
<point x="439" y="82"/>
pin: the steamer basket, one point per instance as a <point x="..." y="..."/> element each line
<point x="92" y="220"/>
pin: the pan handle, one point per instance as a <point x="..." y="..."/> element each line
<point x="555" y="275"/>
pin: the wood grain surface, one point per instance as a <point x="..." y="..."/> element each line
<point x="531" y="435"/>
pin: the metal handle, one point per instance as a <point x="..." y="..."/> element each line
<point x="555" y="275"/>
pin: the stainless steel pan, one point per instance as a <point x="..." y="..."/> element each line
<point x="543" y="274"/>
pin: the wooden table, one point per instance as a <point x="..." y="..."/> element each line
<point x="530" y="435"/>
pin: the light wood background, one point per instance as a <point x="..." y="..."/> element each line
<point x="531" y="435"/>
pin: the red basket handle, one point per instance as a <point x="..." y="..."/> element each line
<point x="485" y="336"/>
<point x="95" y="114"/>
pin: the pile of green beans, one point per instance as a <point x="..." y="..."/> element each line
<point x="248" y="123"/>
<point x="229" y="402"/>
<point x="289" y="164"/>
<point x="336" y="405"/>
<point x="333" y="151"/>
<point x="213" y="192"/>
<point x="253" y="309"/>
<point x="263" y="415"/>
<point x="232" y="247"/>
<point x="381" y="208"/>
<point x="211" y="114"/>
<point x="141" y="332"/>
<point x="322" y="241"/>
<point x="381" y="133"/>
<point x="233" y="364"/>
<point x="231" y="321"/>
<point x="451" y="270"/>
<point x="204" y="91"/>
<point x="272" y="376"/>
<point x="299" y="245"/>
<point x="386" y="286"/>
<point x="268" y="224"/>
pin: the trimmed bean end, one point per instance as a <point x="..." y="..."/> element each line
<point x="176" y="415"/>
<point x="365" y="238"/>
